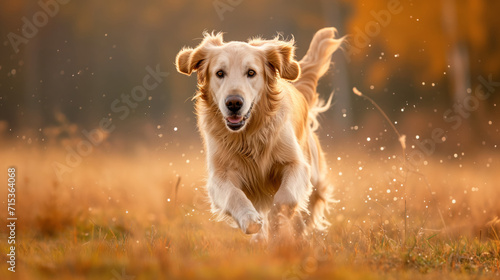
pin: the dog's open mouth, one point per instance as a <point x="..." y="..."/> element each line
<point x="235" y="122"/>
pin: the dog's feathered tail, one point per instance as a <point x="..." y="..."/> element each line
<point x="315" y="64"/>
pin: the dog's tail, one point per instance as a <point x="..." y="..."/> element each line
<point x="316" y="62"/>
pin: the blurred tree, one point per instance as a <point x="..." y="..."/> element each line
<point x="430" y="39"/>
<point x="426" y="49"/>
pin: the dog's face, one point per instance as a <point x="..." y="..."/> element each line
<point x="238" y="74"/>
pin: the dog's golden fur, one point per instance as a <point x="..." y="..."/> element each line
<point x="274" y="165"/>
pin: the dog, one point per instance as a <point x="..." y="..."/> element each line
<point x="257" y="109"/>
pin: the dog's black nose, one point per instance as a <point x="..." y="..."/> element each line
<point x="234" y="103"/>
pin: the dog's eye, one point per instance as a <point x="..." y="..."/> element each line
<point x="251" y="73"/>
<point x="220" y="74"/>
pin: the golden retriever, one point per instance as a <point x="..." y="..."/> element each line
<point x="257" y="109"/>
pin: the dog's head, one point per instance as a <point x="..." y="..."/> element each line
<point x="237" y="75"/>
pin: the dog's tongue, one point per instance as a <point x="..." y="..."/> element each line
<point x="234" y="119"/>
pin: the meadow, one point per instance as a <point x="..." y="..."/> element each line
<point x="144" y="214"/>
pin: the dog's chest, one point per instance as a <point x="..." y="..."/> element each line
<point x="260" y="177"/>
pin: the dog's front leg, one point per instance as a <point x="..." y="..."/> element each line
<point x="229" y="199"/>
<point x="294" y="190"/>
<point x="285" y="217"/>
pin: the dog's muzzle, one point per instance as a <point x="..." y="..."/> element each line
<point x="235" y="122"/>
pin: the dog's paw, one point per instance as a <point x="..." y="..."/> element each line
<point x="285" y="202"/>
<point x="251" y="223"/>
<point x="285" y="205"/>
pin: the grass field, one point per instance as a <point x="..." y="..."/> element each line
<point x="144" y="215"/>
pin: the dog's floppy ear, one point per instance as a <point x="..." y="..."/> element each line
<point x="182" y="61"/>
<point x="189" y="60"/>
<point x="280" y="56"/>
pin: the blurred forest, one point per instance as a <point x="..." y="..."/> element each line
<point x="417" y="59"/>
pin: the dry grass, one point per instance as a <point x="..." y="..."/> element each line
<point x="145" y="215"/>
